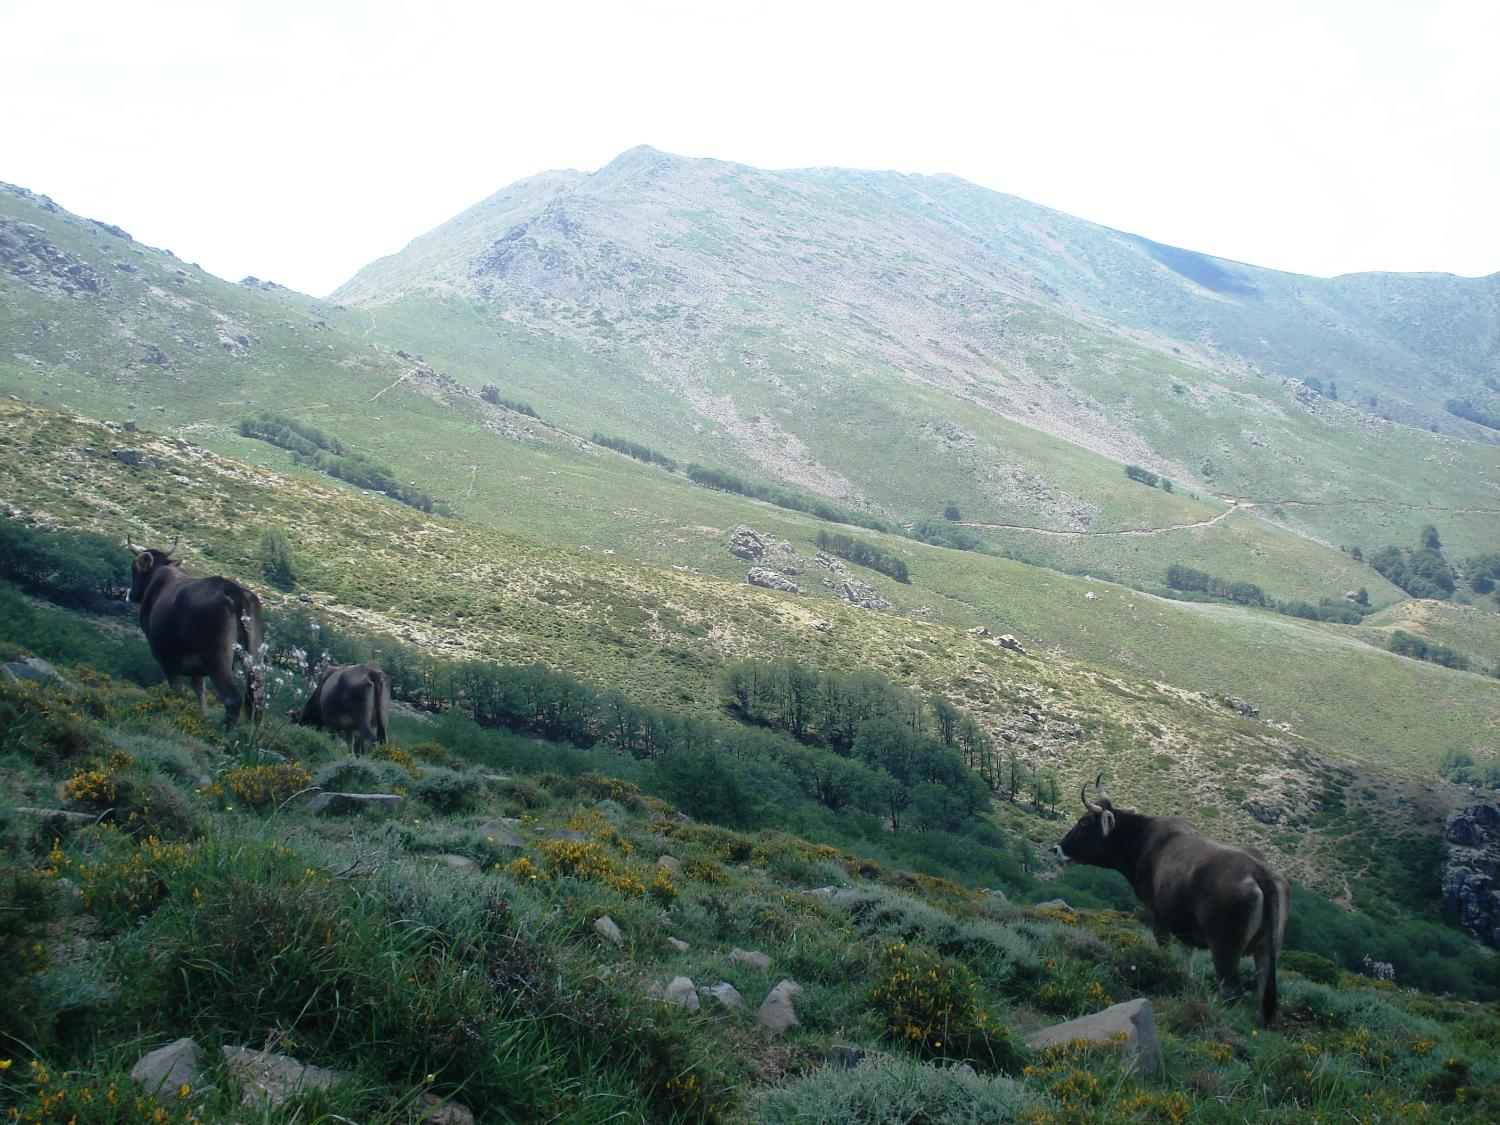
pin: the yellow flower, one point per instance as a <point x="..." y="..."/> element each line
<point x="184" y="1090"/>
<point x="5" y="1064"/>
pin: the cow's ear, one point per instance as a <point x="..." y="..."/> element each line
<point x="1107" y="821"/>
<point x="143" y="561"/>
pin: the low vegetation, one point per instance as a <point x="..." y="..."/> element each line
<point x="781" y="497"/>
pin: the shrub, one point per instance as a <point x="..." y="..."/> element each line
<point x="262" y="787"/>
<point x="892" y="1091"/>
<point x="929" y="1003"/>
<point x="27" y="906"/>
<point x="276" y="560"/>
<point x="445" y="790"/>
<point x="40" y="723"/>
<point x="1314" y="967"/>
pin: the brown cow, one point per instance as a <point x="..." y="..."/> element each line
<point x="1206" y="894"/>
<point x="199" y="627"/>
<point x="352" y="699"/>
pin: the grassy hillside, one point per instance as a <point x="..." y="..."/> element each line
<point x="459" y="948"/>
<point x="661" y="634"/>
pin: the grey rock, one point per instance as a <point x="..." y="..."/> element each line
<point x="979" y="631"/>
<point x="65" y="816"/>
<point x="457" y="862"/>
<point x="776" y="1012"/>
<point x="1053" y="904"/>
<point x="680" y="991"/>
<point x="270" y="1079"/>
<point x="820" y="625"/>
<point x="1009" y="642"/>
<point x="1471" y="876"/>
<point x="842" y="1056"/>
<point x="136" y="459"/>
<point x="860" y="593"/>
<point x="33" y="669"/>
<point x="727" y="995"/>
<point x="1135" y="1018"/>
<point x="771" y="580"/>
<point x="69" y="893"/>
<point x="669" y="863"/>
<point x="752" y="957"/>
<point x="746" y="543"/>
<point x="435" y="1111"/>
<point x="166" y="1070"/>
<point x="994" y="896"/>
<point x="335" y="803"/>
<point x="678" y="944"/>
<point x="606" y="928"/>
<point x="500" y="833"/>
<point x="1240" y="706"/>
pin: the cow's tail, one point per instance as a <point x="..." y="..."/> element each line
<point x="250" y="636"/>
<point x="1274" y="890"/>
<point x="382" y="702"/>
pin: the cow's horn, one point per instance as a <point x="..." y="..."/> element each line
<point x="1084" y="794"/>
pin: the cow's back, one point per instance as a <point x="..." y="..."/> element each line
<point x="192" y="623"/>
<point x="1195" y="878"/>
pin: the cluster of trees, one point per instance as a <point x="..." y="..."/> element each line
<point x="311" y="446"/>
<point x="636" y="450"/>
<point x="1403" y="643"/>
<point x="1187" y="578"/>
<point x="1464" y="408"/>
<point x="833" y="709"/>
<point x="1423" y="572"/>
<point x="889" y="754"/>
<point x="1148" y="478"/>
<point x="73" y="568"/>
<point x="781" y="497"/>
<point x="1460" y="767"/>
<point x="948" y="535"/>
<point x="491" y="394"/>
<point x="864" y="554"/>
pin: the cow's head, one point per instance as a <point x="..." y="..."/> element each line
<point x="147" y="561"/>
<point x="1089" y="841"/>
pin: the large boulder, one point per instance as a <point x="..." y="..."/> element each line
<point x="1470" y="883"/>
<point x="776" y="1012"/>
<point x="269" y="1080"/>
<point x="1134" y="1019"/>
<point x="168" y="1071"/>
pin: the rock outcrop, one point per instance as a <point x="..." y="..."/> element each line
<point x="1469" y="879"/>
<point x="1134" y="1019"/>
<point x="771" y="580"/>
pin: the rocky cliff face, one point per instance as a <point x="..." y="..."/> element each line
<point x="1469" y="880"/>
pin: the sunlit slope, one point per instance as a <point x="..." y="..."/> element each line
<point x="834" y="328"/>
<point x="663" y="631"/>
<point x="95" y="321"/>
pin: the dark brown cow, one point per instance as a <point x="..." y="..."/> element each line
<point x="352" y="699"/>
<point x="199" y="627"/>
<point x="1206" y="894"/>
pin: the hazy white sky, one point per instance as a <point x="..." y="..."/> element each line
<point x="299" y="140"/>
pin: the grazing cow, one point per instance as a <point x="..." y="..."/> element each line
<point x="1206" y="894"/>
<point x="353" y="699"/>
<point x="199" y="627"/>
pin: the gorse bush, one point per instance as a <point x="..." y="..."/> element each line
<point x="930" y="1005"/>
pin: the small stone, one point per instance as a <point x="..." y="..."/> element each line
<point x="680" y="990"/>
<point x="678" y="944"/>
<point x="457" y="862"/>
<point x="842" y="1056"/>
<point x="726" y="994"/>
<point x="606" y="928"/>
<point x="438" y="1112"/>
<point x="776" y="1012"/>
<point x="754" y="958"/>
<point x="669" y="863"/>
<point x="166" y="1070"/>
<point x="1053" y="904"/>
<point x="1141" y="1045"/>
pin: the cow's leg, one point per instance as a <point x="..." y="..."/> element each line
<point x="1227" y="969"/>
<point x="198" y="691"/>
<point x="228" y="692"/>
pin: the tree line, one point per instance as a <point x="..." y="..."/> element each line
<point x="309" y="445"/>
<point x="635" y="449"/>
<point x="862" y="553"/>
<point x="718" y="479"/>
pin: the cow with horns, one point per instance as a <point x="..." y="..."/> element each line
<point x="1206" y="894"/>
<point x="351" y="699"/>
<point x="199" y="628"/>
